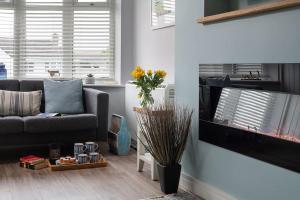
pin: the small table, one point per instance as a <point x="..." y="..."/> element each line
<point x="142" y="155"/>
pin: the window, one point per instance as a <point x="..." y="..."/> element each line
<point x="6" y="39"/>
<point x="75" y="37"/>
<point x="163" y="12"/>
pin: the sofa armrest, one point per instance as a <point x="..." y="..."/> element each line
<point x="97" y="102"/>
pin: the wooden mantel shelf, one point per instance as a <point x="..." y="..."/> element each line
<point x="249" y="11"/>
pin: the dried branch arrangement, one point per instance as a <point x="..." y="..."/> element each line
<point x="165" y="129"/>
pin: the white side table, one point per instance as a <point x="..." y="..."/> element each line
<point x="145" y="157"/>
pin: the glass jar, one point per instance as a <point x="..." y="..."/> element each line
<point x="3" y="72"/>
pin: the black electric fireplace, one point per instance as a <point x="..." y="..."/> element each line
<point x="249" y="109"/>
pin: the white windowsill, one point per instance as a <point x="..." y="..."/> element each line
<point x="107" y="84"/>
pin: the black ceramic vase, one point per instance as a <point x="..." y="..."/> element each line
<point x="169" y="177"/>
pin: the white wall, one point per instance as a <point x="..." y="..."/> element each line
<point x="139" y="45"/>
<point x="152" y="48"/>
<point x="124" y="56"/>
<point x="116" y="100"/>
<point x="127" y="39"/>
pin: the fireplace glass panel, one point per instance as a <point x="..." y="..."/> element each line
<point x="252" y="109"/>
<point x="291" y="122"/>
<point x="269" y="113"/>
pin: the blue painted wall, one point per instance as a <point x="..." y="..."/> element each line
<point x="272" y="37"/>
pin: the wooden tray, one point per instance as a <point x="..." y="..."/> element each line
<point x="77" y="166"/>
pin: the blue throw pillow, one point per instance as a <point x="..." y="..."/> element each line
<point x="63" y="96"/>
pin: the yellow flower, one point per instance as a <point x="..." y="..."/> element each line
<point x="138" y="72"/>
<point x="138" y="68"/>
<point x="161" y="73"/>
<point x="133" y="74"/>
<point x="149" y="72"/>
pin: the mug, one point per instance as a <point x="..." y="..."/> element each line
<point x="79" y="148"/>
<point x="94" y="157"/>
<point x="91" y="147"/>
<point x="82" y="158"/>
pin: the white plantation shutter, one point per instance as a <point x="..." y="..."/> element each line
<point x="40" y="38"/>
<point x="167" y="9"/>
<point x="7" y="38"/>
<point x="93" y="50"/>
<point x="169" y="6"/>
<point x="73" y="36"/>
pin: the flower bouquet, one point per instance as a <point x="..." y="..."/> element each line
<point x="147" y="81"/>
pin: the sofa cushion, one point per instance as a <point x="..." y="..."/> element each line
<point x="11" y="125"/>
<point x="33" y="85"/>
<point x="12" y="85"/>
<point x="37" y="124"/>
<point x="15" y="103"/>
<point x="63" y="96"/>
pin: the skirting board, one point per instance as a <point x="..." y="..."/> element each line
<point x="202" y="189"/>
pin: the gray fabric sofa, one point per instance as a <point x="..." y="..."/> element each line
<point x="34" y="130"/>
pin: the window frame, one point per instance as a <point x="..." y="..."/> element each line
<point x="21" y="6"/>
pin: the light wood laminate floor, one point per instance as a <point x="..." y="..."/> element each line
<point x="118" y="181"/>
